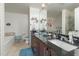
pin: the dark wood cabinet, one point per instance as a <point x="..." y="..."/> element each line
<point x="34" y="42"/>
<point x="35" y="45"/>
<point x="41" y="49"/>
<point x="51" y="52"/>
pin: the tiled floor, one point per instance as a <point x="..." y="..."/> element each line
<point x="15" y="48"/>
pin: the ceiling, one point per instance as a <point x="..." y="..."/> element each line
<point x="56" y="8"/>
<point x="52" y="8"/>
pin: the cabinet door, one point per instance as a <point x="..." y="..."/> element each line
<point x="52" y="52"/>
<point x="55" y="51"/>
<point x="43" y="49"/>
<point x="34" y="42"/>
<point x="35" y="45"/>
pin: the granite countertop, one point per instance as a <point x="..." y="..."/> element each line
<point x="42" y="38"/>
<point x="61" y="44"/>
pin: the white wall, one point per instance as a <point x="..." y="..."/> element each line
<point x="1" y="28"/>
<point x="64" y="17"/>
<point x="56" y="23"/>
<point x="19" y="23"/>
<point x="76" y="26"/>
<point x="77" y="18"/>
<point x="67" y="21"/>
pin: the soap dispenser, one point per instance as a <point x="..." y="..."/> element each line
<point x="71" y="37"/>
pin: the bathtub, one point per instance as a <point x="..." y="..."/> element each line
<point x="7" y="42"/>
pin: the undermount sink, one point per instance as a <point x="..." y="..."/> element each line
<point x="63" y="45"/>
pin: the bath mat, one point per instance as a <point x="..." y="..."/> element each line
<point x="26" y="52"/>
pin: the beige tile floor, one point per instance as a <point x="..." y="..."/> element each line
<point x="15" y="48"/>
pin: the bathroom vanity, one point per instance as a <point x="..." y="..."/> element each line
<point x="42" y="46"/>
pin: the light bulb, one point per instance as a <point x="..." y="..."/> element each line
<point x="43" y="5"/>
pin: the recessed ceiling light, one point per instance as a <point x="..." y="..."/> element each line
<point x="43" y="5"/>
